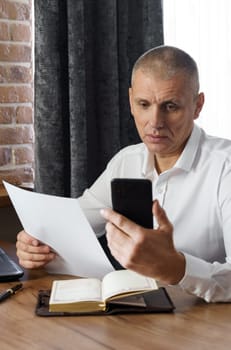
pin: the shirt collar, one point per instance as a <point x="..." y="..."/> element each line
<point x="186" y="159"/>
<point x="188" y="155"/>
<point x="148" y="163"/>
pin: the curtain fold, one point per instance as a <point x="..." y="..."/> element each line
<point x="84" y="53"/>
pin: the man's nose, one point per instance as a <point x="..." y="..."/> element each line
<point x="156" y="119"/>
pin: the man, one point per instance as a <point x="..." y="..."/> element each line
<point x="190" y="244"/>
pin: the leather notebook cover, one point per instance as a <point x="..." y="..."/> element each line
<point x="156" y="301"/>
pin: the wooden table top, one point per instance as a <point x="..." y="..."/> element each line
<point x="193" y="325"/>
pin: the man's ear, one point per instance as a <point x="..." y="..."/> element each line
<point x="130" y="99"/>
<point x="199" y="104"/>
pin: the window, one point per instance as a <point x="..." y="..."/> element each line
<point x="203" y="29"/>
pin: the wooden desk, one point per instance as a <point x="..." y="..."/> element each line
<point x="194" y="325"/>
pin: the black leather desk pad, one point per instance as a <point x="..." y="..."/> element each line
<point x="157" y="301"/>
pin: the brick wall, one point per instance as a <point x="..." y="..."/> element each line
<point x="16" y="92"/>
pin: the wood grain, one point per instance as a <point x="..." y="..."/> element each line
<point x="194" y="324"/>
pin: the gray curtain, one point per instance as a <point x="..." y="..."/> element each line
<point x="84" y="52"/>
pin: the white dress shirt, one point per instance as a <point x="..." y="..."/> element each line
<point x="196" y="195"/>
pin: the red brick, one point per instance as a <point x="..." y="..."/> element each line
<point x="6" y="115"/>
<point x="15" y="94"/>
<point x="5" y="156"/>
<point x="15" y="74"/>
<point x="14" y="10"/>
<point x="20" y="32"/>
<point x="15" y="53"/>
<point x="24" y="115"/>
<point x="23" y="155"/>
<point x="4" y="31"/>
<point x="18" y="175"/>
<point x="16" y="140"/>
<point x="16" y="135"/>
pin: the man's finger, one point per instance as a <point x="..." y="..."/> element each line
<point x="120" y="221"/>
<point x="27" y="239"/>
<point x="160" y="215"/>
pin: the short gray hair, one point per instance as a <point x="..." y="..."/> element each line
<point x="167" y="61"/>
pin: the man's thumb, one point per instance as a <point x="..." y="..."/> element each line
<point x="160" y="216"/>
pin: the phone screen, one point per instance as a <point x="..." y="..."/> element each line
<point x="133" y="199"/>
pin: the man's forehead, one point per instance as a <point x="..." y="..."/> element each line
<point x="149" y="88"/>
<point x="143" y="79"/>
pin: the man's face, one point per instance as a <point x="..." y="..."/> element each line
<point x="164" y="111"/>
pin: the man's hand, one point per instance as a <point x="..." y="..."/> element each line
<point x="31" y="253"/>
<point x="150" y="252"/>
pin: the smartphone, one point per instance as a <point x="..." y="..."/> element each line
<point x="133" y="199"/>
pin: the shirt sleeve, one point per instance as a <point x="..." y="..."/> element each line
<point x="98" y="196"/>
<point x="92" y="201"/>
<point x="210" y="281"/>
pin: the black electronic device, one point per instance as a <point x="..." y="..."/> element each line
<point x="9" y="270"/>
<point x="133" y="199"/>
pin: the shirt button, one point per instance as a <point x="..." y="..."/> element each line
<point x="160" y="190"/>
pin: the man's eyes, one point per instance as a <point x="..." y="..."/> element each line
<point x="143" y="104"/>
<point x="165" y="107"/>
<point x="169" y="106"/>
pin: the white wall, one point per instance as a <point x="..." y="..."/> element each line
<point x="203" y="29"/>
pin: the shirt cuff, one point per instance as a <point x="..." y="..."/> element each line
<point x="197" y="278"/>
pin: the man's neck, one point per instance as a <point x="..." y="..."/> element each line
<point x="165" y="163"/>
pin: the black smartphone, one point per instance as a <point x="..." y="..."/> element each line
<point x="9" y="270"/>
<point x="133" y="199"/>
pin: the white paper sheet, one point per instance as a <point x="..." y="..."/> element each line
<point x="60" y="223"/>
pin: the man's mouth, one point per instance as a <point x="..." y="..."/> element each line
<point x="155" y="138"/>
